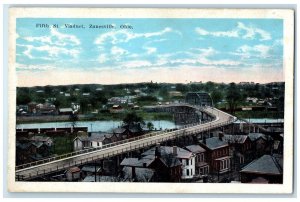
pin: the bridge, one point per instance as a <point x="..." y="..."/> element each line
<point x="49" y="166"/>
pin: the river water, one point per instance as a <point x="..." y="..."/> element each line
<point x="94" y="126"/>
<point x="105" y="126"/>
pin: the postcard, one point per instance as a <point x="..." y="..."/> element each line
<point x="151" y="100"/>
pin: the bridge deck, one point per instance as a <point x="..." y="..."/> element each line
<point x="82" y="157"/>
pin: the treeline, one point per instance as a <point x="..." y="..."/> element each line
<point x="92" y="96"/>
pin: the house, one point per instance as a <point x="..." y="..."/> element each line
<point x="80" y="142"/>
<point x="198" y="98"/>
<point x="129" y="162"/>
<point x="85" y="94"/>
<point x="202" y="167"/>
<point x="136" y="107"/>
<point x="27" y="151"/>
<point x="89" y="170"/>
<point x="91" y="178"/>
<point x="218" y="156"/>
<point x="121" y="133"/>
<point x="23" y="152"/>
<point x="65" y="111"/>
<point x="137" y="174"/>
<point x="32" y="107"/>
<point x="167" y="167"/>
<point x="73" y="174"/>
<point x="128" y="131"/>
<point x="240" y="149"/>
<point x="266" y="169"/>
<point x="261" y="143"/>
<point x="251" y="99"/>
<point x="95" y="140"/>
<point x="175" y="93"/>
<point x="186" y="158"/>
<point x="45" y="140"/>
<point x="116" y="109"/>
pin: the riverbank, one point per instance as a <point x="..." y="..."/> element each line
<point x="259" y="114"/>
<point x="93" y="117"/>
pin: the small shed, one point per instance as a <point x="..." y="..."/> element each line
<point x="73" y="174"/>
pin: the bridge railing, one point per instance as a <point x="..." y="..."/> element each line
<point x="166" y="137"/>
<point x="204" y="109"/>
<point x="96" y="148"/>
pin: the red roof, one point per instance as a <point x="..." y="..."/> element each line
<point x="74" y="170"/>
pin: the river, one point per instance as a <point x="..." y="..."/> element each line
<point x="94" y="126"/>
<point x="105" y="126"/>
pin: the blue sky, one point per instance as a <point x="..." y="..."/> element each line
<point x="161" y="50"/>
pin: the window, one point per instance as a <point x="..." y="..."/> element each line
<point x="98" y="144"/>
<point x="91" y="144"/>
<point x="201" y="157"/>
<point x="191" y="172"/>
<point x="187" y="172"/>
<point x="191" y="161"/>
<point x="187" y="162"/>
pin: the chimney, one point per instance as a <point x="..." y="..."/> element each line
<point x="175" y="150"/>
<point x="133" y="174"/>
<point x="204" y="139"/>
<point x="157" y="151"/>
<point x="221" y="136"/>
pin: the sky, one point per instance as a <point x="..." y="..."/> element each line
<point x="144" y="50"/>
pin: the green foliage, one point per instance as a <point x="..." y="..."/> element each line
<point x="216" y="96"/>
<point x="150" y="126"/>
<point x="132" y="118"/>
<point x="233" y="97"/>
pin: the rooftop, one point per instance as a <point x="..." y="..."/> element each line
<point x="195" y="148"/>
<point x="266" y="164"/>
<point x="181" y="153"/>
<point x="142" y="174"/>
<point x="215" y="143"/>
<point x="255" y="136"/>
<point x="91" y="169"/>
<point x="129" y="162"/>
<point x="235" y="138"/>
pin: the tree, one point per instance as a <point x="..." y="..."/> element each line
<point x="216" y="96"/>
<point x="73" y="118"/>
<point x="23" y="99"/>
<point x="233" y="97"/>
<point x="150" y="126"/>
<point x="132" y="118"/>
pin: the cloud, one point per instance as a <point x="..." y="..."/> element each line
<point x="252" y="31"/>
<point x="118" y="51"/>
<point x="232" y="33"/>
<point x="34" y="67"/>
<point x="52" y="51"/>
<point x="55" y="38"/>
<point x="150" y="50"/>
<point x="55" y="44"/>
<point x="257" y="51"/>
<point x="64" y="39"/>
<point x="123" y="36"/>
<point x="240" y="31"/>
<point x="102" y="58"/>
<point x="136" y="64"/>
